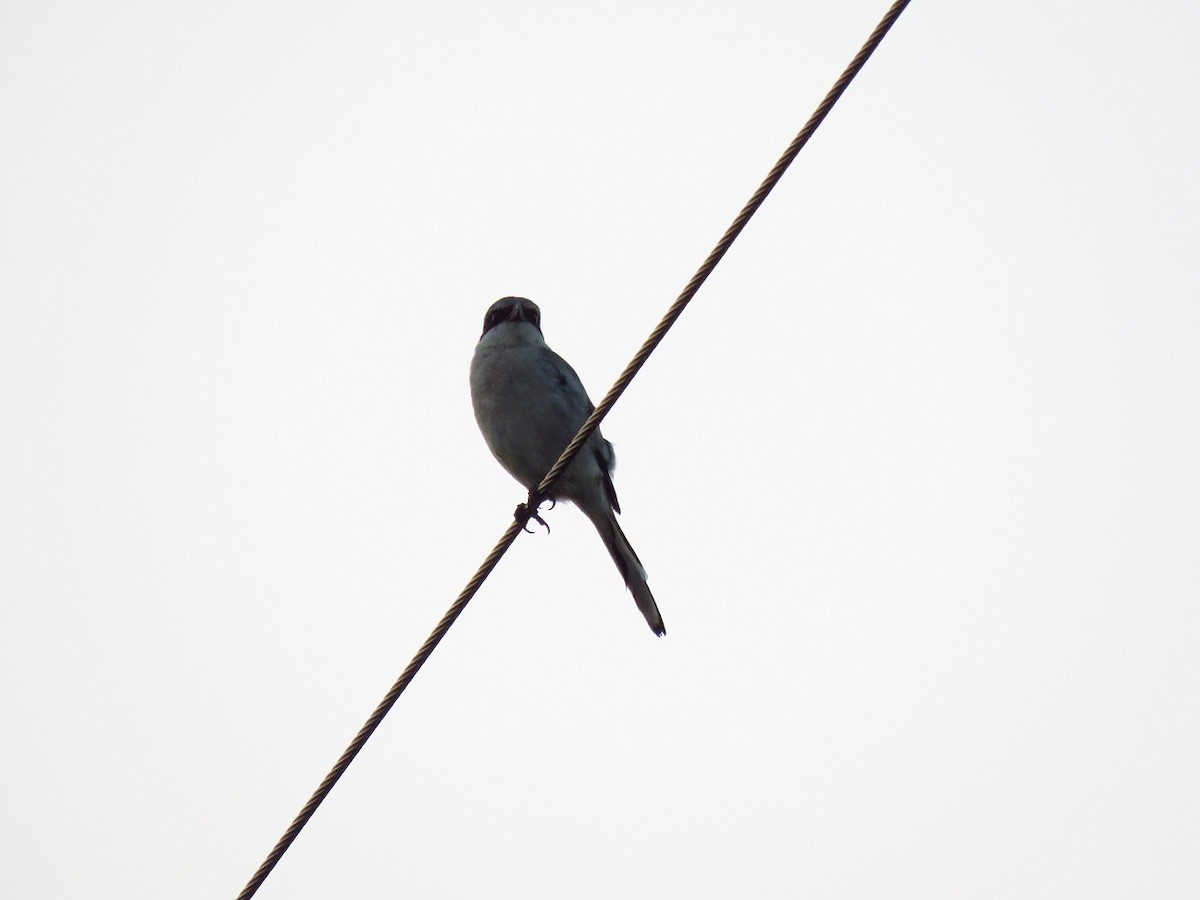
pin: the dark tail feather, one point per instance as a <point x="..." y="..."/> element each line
<point x="630" y="568"/>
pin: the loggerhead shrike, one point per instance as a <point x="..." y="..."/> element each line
<point x="529" y="403"/>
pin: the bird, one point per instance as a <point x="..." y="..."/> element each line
<point x="529" y="404"/>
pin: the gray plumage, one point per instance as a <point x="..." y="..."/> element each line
<point x="529" y="403"/>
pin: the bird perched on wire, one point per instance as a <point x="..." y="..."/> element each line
<point x="529" y="403"/>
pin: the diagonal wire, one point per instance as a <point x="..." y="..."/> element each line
<point x="592" y="423"/>
<point x="727" y="239"/>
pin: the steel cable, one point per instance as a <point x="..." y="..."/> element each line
<point x="592" y="423"/>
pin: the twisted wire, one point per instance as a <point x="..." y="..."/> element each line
<point x="676" y="309"/>
<point x="385" y="705"/>
<point x="592" y="423"/>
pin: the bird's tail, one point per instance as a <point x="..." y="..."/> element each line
<point x="629" y="566"/>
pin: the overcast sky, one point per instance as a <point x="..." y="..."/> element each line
<point x="915" y="477"/>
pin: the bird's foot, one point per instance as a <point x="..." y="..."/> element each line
<point x="529" y="510"/>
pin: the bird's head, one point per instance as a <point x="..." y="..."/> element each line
<point x="512" y="309"/>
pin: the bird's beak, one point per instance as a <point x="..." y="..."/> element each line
<point x="517" y="314"/>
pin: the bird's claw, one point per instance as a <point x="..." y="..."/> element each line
<point x="526" y="511"/>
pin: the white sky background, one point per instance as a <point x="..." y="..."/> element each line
<point x="915" y="477"/>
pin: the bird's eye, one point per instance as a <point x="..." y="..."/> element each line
<point x="495" y="316"/>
